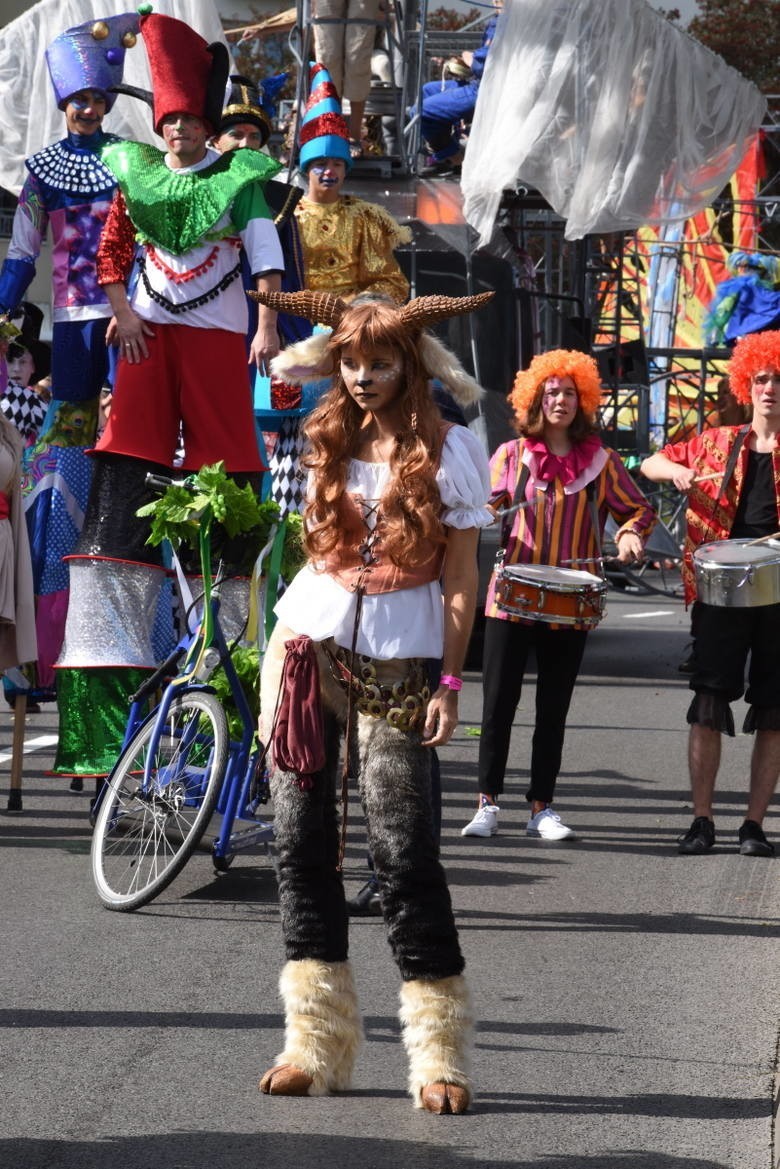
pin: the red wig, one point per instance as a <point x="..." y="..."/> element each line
<point x="411" y="503"/>
<point x="753" y="352"/>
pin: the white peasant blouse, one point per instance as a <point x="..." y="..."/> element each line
<point x="408" y="622"/>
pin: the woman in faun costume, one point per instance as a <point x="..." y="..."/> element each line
<point x="395" y="502"/>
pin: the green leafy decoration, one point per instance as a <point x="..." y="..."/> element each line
<point x="175" y="517"/>
<point x="294" y="553"/>
<point x="246" y="661"/>
<point x="176" y="514"/>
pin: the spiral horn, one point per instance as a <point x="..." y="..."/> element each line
<point x="321" y="307"/>
<point x="426" y="310"/>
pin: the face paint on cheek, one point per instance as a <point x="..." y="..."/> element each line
<point x="388" y="375"/>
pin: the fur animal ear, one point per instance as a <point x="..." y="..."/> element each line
<point x="306" y="361"/>
<point x="439" y="361"/>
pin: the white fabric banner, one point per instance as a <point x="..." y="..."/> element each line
<point x="29" y="118"/>
<point x="616" y="117"/>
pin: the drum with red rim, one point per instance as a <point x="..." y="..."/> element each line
<point x="543" y="592"/>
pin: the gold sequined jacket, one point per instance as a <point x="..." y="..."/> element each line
<point x="348" y="248"/>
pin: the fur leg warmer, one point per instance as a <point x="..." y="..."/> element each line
<point x="437" y="1030"/>
<point x="323" y="1028"/>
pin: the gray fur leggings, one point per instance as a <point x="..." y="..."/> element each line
<point x="394" y="783"/>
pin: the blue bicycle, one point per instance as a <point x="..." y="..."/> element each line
<point x="179" y="768"/>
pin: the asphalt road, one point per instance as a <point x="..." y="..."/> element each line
<point x="628" y="998"/>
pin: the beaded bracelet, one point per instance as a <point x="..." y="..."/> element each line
<point x="451" y="682"/>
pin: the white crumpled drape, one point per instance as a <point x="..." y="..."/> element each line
<point x="615" y="116"/>
<point x="29" y="118"/>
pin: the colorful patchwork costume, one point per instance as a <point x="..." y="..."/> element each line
<point x="68" y="192"/>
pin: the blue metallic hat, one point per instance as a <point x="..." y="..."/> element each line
<point x="91" y="56"/>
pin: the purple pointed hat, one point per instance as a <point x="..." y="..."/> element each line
<point x="91" y="56"/>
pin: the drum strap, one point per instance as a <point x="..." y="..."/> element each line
<point x="731" y="464"/>
<point x="518" y="497"/>
<point x="742" y="434"/>
<point x="590" y="490"/>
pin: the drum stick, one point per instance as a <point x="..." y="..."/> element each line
<point x="710" y="475"/>
<point x="762" y="539"/>
<point x="509" y="510"/>
<point x="584" y="560"/>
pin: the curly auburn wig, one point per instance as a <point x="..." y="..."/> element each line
<point x="411" y="502"/>
<point x="753" y="352"/>
<point x="528" y="390"/>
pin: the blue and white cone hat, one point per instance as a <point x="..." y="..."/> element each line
<point x="323" y="132"/>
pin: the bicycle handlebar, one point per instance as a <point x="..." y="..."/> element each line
<point x="161" y="482"/>
<point x="153" y="681"/>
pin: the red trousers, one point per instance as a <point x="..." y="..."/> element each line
<point x="196" y="377"/>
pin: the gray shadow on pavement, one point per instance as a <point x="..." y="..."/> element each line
<point x="641" y="1104"/>
<point x="230" y="1150"/>
<point x="640" y="923"/>
<point x="280" y="1150"/>
<point x="199" y="1020"/>
<point x="624" y="1159"/>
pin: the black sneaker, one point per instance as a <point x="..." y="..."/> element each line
<point x="366" y="902"/>
<point x="752" y="841"/>
<point x="699" y="838"/>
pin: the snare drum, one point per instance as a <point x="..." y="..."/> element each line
<point x="560" y="596"/>
<point x="736" y="575"/>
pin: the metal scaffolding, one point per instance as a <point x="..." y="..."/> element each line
<point x="592" y="294"/>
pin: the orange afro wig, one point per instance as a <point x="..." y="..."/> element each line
<point x="558" y="363"/>
<point x="752" y="352"/>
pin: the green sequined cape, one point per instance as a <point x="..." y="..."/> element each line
<point x="177" y="211"/>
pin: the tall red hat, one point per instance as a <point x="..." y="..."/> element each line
<point x="188" y="75"/>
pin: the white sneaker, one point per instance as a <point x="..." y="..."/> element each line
<point x="549" y="826"/>
<point x="485" y="822"/>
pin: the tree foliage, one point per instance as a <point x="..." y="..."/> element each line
<point x="263" y="56"/>
<point x="746" y="34"/>
<point x="449" y="19"/>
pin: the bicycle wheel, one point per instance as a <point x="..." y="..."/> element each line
<point x="144" y="837"/>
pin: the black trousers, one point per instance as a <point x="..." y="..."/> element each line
<point x="558" y="659"/>
<point x="393" y="770"/>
